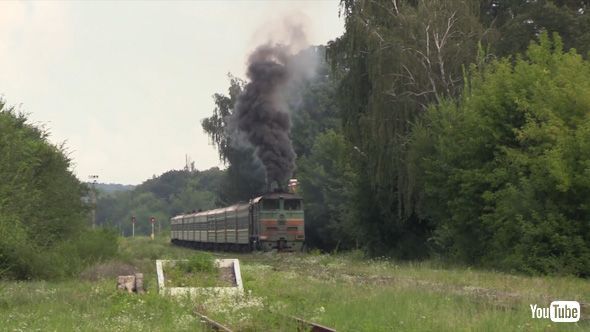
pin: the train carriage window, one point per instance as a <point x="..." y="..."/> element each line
<point x="270" y="204"/>
<point x="292" y="204"/>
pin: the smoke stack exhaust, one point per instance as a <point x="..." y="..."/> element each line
<point x="261" y="119"/>
<point x="262" y="116"/>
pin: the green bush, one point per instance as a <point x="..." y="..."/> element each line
<point x="18" y="257"/>
<point x="43" y="221"/>
<point x="96" y="245"/>
<point x="200" y="262"/>
<point x="22" y="259"/>
<point x="505" y="173"/>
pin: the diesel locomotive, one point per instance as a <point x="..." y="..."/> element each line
<point x="271" y="221"/>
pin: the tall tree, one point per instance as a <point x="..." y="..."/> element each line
<point x="326" y="183"/>
<point x="314" y="106"/>
<point x="517" y="22"/>
<point x="398" y="57"/>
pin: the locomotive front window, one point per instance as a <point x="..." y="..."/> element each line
<point x="270" y="204"/>
<point x="292" y="204"/>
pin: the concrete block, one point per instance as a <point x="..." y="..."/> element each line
<point x="237" y="289"/>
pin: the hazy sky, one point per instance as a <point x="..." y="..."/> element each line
<point x="127" y="83"/>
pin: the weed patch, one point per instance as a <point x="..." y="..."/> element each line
<point x="199" y="270"/>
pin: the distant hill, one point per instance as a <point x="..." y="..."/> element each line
<point x="112" y="187"/>
<point x="171" y="193"/>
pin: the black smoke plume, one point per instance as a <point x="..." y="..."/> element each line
<point x="261" y="113"/>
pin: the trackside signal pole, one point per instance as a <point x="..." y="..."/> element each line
<point x="93" y="198"/>
<point x="133" y="226"/>
<point x="153" y="220"/>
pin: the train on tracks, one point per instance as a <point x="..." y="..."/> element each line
<point x="271" y="221"/>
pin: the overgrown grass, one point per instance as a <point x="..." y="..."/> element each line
<point x="378" y="297"/>
<point x="199" y="270"/>
<point x="199" y="262"/>
<point x="23" y="259"/>
<point x="86" y="306"/>
<point x="343" y="291"/>
<point x="351" y="293"/>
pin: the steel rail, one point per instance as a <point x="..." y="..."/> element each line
<point x="304" y="325"/>
<point x="215" y="326"/>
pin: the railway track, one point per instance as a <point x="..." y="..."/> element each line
<point x="302" y="324"/>
<point x="213" y="325"/>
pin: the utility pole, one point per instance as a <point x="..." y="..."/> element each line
<point x="93" y="199"/>
<point x="133" y="226"/>
<point x="152" y="220"/>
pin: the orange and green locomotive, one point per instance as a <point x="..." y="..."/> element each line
<point x="271" y="221"/>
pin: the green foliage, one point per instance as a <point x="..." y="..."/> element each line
<point x="314" y="106"/>
<point x="70" y="257"/>
<point x="18" y="256"/>
<point x="326" y="179"/>
<point x="43" y="221"/>
<point x="199" y="262"/>
<point x="142" y="251"/>
<point x="199" y="270"/>
<point x="505" y="172"/>
<point x="324" y="170"/>
<point x="172" y="193"/>
<point x="518" y="22"/>
<point x="395" y="58"/>
<point x="22" y="259"/>
<point x="94" y="245"/>
<point x="37" y="187"/>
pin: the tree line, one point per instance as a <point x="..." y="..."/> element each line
<point x="164" y="196"/>
<point x="469" y="139"/>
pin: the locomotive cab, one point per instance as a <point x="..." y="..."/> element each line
<point x="281" y="222"/>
